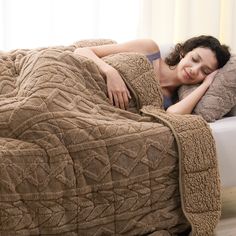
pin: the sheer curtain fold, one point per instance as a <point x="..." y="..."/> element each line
<point x="227" y="23"/>
<point x="156" y="19"/>
<point x="171" y="21"/>
<point x="36" y="23"/>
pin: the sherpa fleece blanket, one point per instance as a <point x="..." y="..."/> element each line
<point x="72" y="164"/>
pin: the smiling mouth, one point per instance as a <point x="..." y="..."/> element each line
<point x="187" y="75"/>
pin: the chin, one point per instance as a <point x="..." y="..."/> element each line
<point x="185" y="80"/>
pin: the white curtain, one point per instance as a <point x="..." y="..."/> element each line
<point x="36" y="23"/>
<point x="171" y="21"/>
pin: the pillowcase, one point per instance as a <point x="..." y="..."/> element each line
<point x="232" y="112"/>
<point x="220" y="97"/>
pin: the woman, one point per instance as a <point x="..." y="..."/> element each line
<point x="192" y="62"/>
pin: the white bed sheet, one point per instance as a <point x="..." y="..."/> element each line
<point x="224" y="132"/>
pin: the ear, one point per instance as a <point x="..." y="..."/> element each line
<point x="181" y="55"/>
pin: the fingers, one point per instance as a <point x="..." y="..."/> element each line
<point x="116" y="100"/>
<point x="110" y="96"/>
<point x="128" y="93"/>
<point x="123" y="100"/>
<point x="210" y="78"/>
<point x="118" y="93"/>
<point x="126" y="97"/>
<point x="119" y="100"/>
<point x="213" y="73"/>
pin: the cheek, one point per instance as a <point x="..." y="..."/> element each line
<point x="181" y="64"/>
<point x="182" y="61"/>
<point x="185" y="62"/>
<point x="201" y="77"/>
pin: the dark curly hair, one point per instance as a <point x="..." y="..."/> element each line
<point x="181" y="49"/>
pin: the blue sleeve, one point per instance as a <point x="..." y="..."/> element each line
<point x="154" y="56"/>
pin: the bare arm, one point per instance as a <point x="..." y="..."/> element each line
<point x="117" y="91"/>
<point x="145" y="46"/>
<point x="187" y="105"/>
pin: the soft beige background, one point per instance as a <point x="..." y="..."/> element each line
<point x="169" y="21"/>
<point x="33" y="23"/>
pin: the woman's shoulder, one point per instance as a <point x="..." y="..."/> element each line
<point x="145" y="46"/>
<point x="149" y="45"/>
<point x="150" y="49"/>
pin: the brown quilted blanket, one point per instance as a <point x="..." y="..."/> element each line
<point x="72" y="164"/>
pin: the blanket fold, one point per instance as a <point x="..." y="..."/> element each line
<point x="72" y="164"/>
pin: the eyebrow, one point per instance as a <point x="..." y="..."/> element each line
<point x="200" y="58"/>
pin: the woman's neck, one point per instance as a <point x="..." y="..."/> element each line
<point x="167" y="77"/>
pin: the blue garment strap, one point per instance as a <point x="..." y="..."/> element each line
<point x="154" y="56"/>
<point x="167" y="102"/>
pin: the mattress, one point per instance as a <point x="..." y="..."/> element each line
<point x="224" y="132"/>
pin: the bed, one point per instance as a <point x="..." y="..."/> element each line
<point x="224" y="132"/>
<point x="72" y="164"/>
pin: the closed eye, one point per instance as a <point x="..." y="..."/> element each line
<point x="194" y="59"/>
<point x="206" y="71"/>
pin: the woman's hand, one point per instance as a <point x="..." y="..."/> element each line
<point x="210" y="78"/>
<point x="118" y="93"/>
<point x="186" y="105"/>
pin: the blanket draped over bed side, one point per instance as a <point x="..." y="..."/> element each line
<point x="72" y="164"/>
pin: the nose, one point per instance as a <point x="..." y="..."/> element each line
<point x="194" y="70"/>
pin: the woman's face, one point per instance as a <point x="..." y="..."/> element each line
<point x="196" y="65"/>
